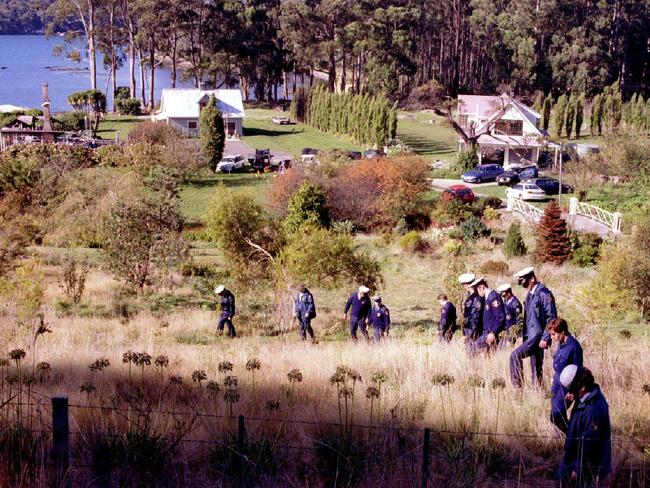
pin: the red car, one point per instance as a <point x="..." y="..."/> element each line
<point x="459" y="192"/>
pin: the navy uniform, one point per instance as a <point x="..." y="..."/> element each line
<point x="359" y="307"/>
<point x="588" y="444"/>
<point x="305" y="310"/>
<point x="227" y="304"/>
<point x="539" y="309"/>
<point x="472" y="320"/>
<point x="513" y="312"/>
<point x="514" y="316"/>
<point x="569" y="352"/>
<point x="447" y="321"/>
<point x="379" y="319"/>
<point x="494" y="318"/>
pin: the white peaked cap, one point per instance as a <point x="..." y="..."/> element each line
<point x="219" y="289"/>
<point x="363" y="289"/>
<point x="466" y="278"/>
<point x="568" y="374"/>
<point x="477" y="281"/>
<point x="524" y="272"/>
<point x="504" y="287"/>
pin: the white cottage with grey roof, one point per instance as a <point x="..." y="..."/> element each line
<point x="509" y="132"/>
<point x="180" y="107"/>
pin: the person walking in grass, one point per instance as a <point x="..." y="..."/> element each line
<point x="494" y="315"/>
<point x="472" y="314"/>
<point x="514" y="315"/>
<point x="448" y="318"/>
<point x="379" y="319"/>
<point x="227" y="304"/>
<point x="359" y="307"/>
<point x="304" y="309"/>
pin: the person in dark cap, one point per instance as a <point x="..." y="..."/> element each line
<point x="379" y="318"/>
<point x="227" y="304"/>
<point x="359" y="307"/>
<point x="472" y="313"/>
<point x="587" y="459"/>
<point x="539" y="310"/>
<point x="514" y="315"/>
<point x="448" y="318"/>
<point x="304" y="309"/>
<point x="494" y="315"/>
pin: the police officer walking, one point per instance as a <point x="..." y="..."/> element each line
<point x="379" y="319"/>
<point x="494" y="315"/>
<point x="472" y="313"/>
<point x="304" y="309"/>
<point x="448" y="318"/>
<point x="539" y="309"/>
<point x="587" y="457"/>
<point x="569" y="351"/>
<point x="227" y="303"/>
<point x="359" y="306"/>
<point x="514" y="315"/>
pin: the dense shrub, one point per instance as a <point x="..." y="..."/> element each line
<point x="491" y="202"/>
<point x="467" y="160"/>
<point x="474" y="228"/>
<point x="514" y="244"/>
<point x="491" y="214"/>
<point x="212" y="134"/>
<point x="453" y="247"/>
<point x="411" y="241"/>
<point x="494" y="268"/>
<point x="307" y="207"/>
<point x="552" y="236"/>
<point x="128" y="106"/>
<point x="157" y="133"/>
<point x="452" y="211"/>
<point x="70" y="121"/>
<point x="283" y="188"/>
<point x="585" y="248"/>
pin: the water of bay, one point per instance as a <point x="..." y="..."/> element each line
<point x="26" y="62"/>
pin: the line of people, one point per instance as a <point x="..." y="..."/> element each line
<point x="491" y="320"/>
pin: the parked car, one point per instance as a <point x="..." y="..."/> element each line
<point x="526" y="191"/>
<point x="354" y="154"/>
<point x="482" y="173"/>
<point x="261" y="160"/>
<point x="230" y="163"/>
<point x="515" y="175"/>
<point x="372" y="153"/>
<point x="309" y="155"/>
<point x="279" y="120"/>
<point x="459" y="192"/>
<point x="550" y="185"/>
<point x="280" y="163"/>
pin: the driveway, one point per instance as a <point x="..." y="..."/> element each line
<point x="446" y="183"/>
<point x="240" y="147"/>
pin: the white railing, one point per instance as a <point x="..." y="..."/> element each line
<point x="612" y="220"/>
<point x="526" y="210"/>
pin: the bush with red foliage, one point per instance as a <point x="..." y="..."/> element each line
<point x="553" y="244"/>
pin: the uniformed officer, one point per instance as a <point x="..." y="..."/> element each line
<point x="539" y="309"/>
<point x="587" y="457"/>
<point x="359" y="306"/>
<point x="472" y="313"/>
<point x="227" y="303"/>
<point x="304" y="309"/>
<point x="379" y="318"/>
<point x="569" y="351"/>
<point x="448" y="318"/>
<point x="514" y="316"/>
<point x="494" y="315"/>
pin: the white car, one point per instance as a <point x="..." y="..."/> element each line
<point x="526" y="191"/>
<point x="230" y="163"/>
<point x="279" y="120"/>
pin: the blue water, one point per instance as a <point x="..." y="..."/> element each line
<point x="25" y="58"/>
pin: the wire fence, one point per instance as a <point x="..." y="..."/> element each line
<point x="395" y="450"/>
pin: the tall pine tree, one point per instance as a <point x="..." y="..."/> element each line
<point x="553" y="244"/>
<point x="580" y="114"/>
<point x="558" y="116"/>
<point x="548" y="104"/>
<point x="212" y="134"/>
<point x="569" y="116"/>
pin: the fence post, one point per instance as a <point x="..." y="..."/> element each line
<point x="573" y="206"/>
<point x="617" y="222"/>
<point x="425" y="457"/>
<point x="509" y="204"/>
<point x="60" y="440"/>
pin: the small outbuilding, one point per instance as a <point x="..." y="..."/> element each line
<point x="181" y="107"/>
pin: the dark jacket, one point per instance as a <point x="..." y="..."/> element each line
<point x="513" y="311"/>
<point x="448" y="317"/>
<point x="588" y="449"/>
<point x="304" y="306"/>
<point x="539" y="309"/>
<point x="569" y="352"/>
<point x="359" y="307"/>
<point x="380" y="317"/>
<point x="227" y="302"/>
<point x="473" y="316"/>
<point x="494" y="314"/>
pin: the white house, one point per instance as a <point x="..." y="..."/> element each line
<point x="181" y="107"/>
<point x="508" y="129"/>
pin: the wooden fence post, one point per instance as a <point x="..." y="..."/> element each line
<point x="425" y="457"/>
<point x="60" y="440"/>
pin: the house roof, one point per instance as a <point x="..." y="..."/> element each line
<point x="5" y="109"/>
<point x="184" y="102"/>
<point x="487" y="106"/>
<point x="513" y="141"/>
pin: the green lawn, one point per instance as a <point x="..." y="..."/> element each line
<point x="260" y="132"/>
<point x="432" y="141"/>
<point x="117" y="124"/>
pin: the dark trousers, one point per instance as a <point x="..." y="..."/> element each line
<point x="482" y="345"/>
<point x="559" y="410"/>
<point x="357" y="323"/>
<point x="445" y="335"/>
<point x="305" y="327"/>
<point x="225" y="319"/>
<point x="379" y="331"/>
<point x="531" y="349"/>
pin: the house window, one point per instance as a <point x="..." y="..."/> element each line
<point x="462" y="120"/>
<point x="192" y="125"/>
<point x="509" y="127"/>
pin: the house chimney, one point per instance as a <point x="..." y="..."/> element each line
<point x="47" y="122"/>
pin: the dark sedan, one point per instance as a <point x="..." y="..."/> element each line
<point x="550" y="185"/>
<point x="515" y="175"/>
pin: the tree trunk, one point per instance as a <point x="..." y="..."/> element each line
<point x="152" y="72"/>
<point x="132" y="87"/>
<point x="331" y="73"/>
<point x="343" y="70"/>
<point x="174" y="46"/>
<point x="92" y="50"/>
<point x="285" y="85"/>
<point x="142" y="79"/>
<point x="111" y="18"/>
